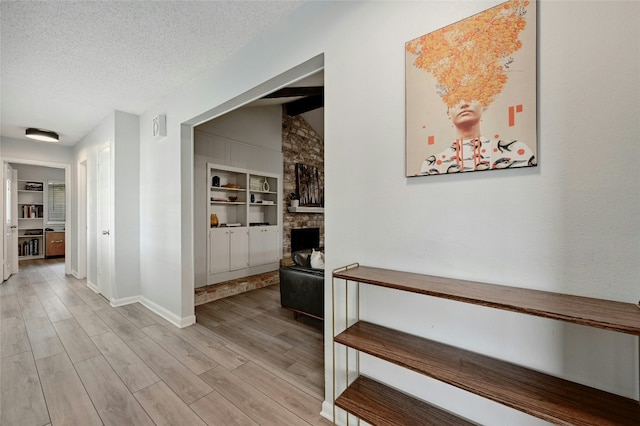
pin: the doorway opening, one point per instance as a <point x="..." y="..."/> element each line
<point x="189" y="207"/>
<point x="33" y="221"/>
<point x="188" y="186"/>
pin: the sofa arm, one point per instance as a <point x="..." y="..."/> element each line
<point x="302" y="290"/>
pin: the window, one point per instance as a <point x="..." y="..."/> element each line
<point x="56" y="203"/>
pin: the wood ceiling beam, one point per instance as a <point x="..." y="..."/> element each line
<point x="291" y="92"/>
<point x="304" y="105"/>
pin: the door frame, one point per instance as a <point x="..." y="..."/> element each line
<point x="13" y="235"/>
<point x="68" y="189"/>
<point x="82" y="223"/>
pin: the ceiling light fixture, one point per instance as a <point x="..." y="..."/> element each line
<point x="42" y="135"/>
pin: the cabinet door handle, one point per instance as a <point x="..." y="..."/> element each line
<point x="106" y="232"/>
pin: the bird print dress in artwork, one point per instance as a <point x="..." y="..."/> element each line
<point x="479" y="154"/>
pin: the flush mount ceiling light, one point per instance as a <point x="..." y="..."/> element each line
<point x="42" y="135"/>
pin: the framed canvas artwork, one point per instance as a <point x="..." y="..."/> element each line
<point x="471" y="93"/>
<point x="308" y="185"/>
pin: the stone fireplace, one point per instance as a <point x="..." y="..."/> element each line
<point x="300" y="144"/>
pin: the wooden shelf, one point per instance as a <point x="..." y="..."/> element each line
<point x="260" y="191"/>
<point x="538" y="394"/>
<point x="232" y="203"/>
<point x="378" y="404"/>
<point x="541" y="395"/>
<point x="606" y="314"/>
<point x="224" y="188"/>
<point x="305" y="209"/>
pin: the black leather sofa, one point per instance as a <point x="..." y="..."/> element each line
<point x="302" y="287"/>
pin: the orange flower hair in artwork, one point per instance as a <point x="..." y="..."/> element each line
<point x="469" y="58"/>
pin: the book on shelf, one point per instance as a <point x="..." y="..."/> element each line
<point x="33" y="186"/>
<point x="32" y="211"/>
<point x="29" y="248"/>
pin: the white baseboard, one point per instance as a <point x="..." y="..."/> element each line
<point x="157" y="309"/>
<point x="76" y="274"/>
<point x="124" y="301"/>
<point x="93" y="287"/>
<point x="341" y="416"/>
<point x="327" y="410"/>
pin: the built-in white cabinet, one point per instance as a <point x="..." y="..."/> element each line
<point x="228" y="249"/>
<point x="263" y="245"/>
<point x="243" y="217"/>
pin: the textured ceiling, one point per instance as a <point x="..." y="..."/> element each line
<point x="65" y="65"/>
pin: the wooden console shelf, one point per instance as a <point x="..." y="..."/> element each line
<point x="541" y="395"/>
<point x="378" y="404"/>
<point x="610" y="315"/>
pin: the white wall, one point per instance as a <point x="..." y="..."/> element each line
<point x="570" y="225"/>
<point x="36" y="151"/>
<point x="126" y="180"/>
<point x="31" y="172"/>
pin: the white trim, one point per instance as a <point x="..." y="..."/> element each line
<point x="82" y="245"/>
<point x="157" y="309"/>
<point x="166" y="314"/>
<point x="327" y="410"/>
<point x="124" y="301"/>
<point x="93" y="287"/>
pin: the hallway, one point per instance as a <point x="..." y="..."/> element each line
<point x="68" y="357"/>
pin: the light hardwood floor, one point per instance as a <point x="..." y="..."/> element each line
<point x="68" y="358"/>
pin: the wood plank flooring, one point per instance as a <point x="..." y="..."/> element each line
<point x="68" y="358"/>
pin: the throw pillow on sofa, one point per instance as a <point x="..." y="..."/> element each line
<point x="302" y="258"/>
<point x="317" y="259"/>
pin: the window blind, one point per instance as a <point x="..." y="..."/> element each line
<point x="56" y="202"/>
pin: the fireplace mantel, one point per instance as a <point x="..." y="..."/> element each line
<point x="302" y="209"/>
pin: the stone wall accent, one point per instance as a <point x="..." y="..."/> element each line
<point x="300" y="144"/>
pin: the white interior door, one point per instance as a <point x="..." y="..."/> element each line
<point x="10" y="261"/>
<point x="104" y="222"/>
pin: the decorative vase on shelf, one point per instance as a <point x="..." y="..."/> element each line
<point x="214" y="220"/>
<point x="295" y="203"/>
<point x="215" y="181"/>
<point x="265" y="185"/>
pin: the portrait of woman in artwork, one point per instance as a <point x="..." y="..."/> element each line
<point x="471" y="94"/>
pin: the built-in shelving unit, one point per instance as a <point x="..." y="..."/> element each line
<point x="243" y="217"/>
<point x="31" y="216"/>
<point x="547" y="397"/>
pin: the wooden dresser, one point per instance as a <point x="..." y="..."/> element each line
<point x="54" y="243"/>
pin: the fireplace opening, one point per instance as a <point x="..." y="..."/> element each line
<point x="305" y="238"/>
